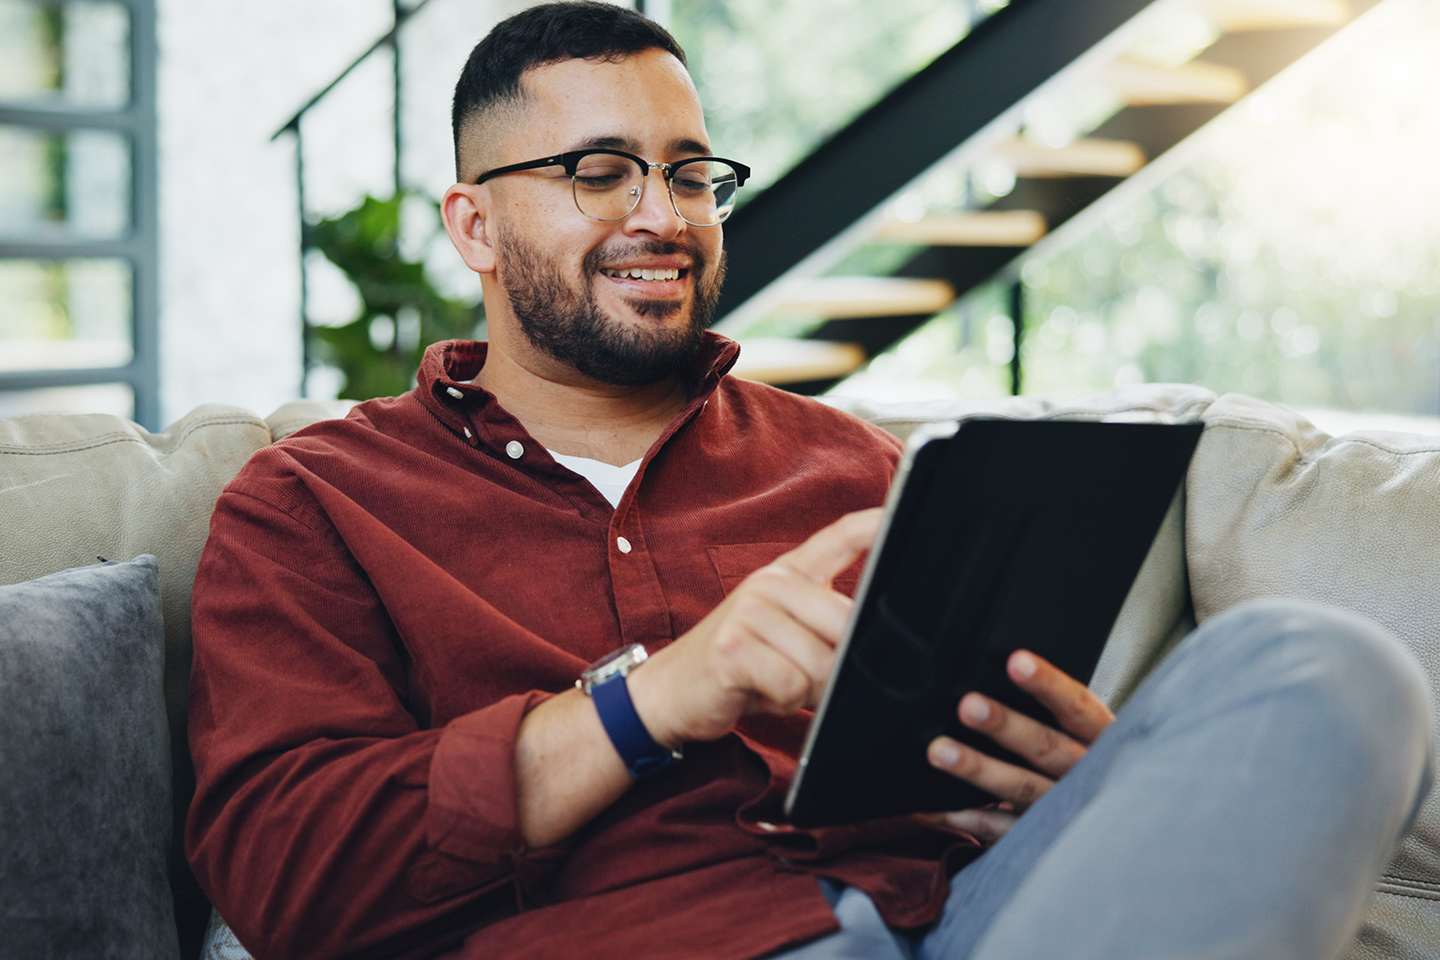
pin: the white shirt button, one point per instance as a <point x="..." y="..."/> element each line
<point x="467" y="432"/>
<point x="515" y="449"/>
<point x="455" y="392"/>
<point x="623" y="545"/>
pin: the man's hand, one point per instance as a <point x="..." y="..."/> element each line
<point x="769" y="648"/>
<point x="1080" y="714"/>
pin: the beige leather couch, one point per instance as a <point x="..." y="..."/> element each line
<point x="1271" y="507"/>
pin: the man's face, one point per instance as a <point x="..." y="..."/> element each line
<point x="572" y="284"/>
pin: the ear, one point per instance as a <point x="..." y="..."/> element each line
<point x="465" y="210"/>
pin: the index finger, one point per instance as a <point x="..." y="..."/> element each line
<point x="1078" y="711"/>
<point x="832" y="549"/>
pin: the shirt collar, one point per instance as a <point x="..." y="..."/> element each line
<point x="444" y="385"/>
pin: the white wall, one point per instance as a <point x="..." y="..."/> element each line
<point x="232" y="72"/>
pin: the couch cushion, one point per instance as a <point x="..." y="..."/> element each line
<point x="298" y="414"/>
<point x="1142" y="403"/>
<point x="80" y="485"/>
<point x="74" y="486"/>
<point x="84" y="767"/>
<point x="1279" y="508"/>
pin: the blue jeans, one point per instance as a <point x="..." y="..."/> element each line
<point x="1241" y="806"/>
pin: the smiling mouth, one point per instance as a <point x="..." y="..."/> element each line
<point x="635" y="273"/>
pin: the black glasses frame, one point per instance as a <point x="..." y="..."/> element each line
<point x="571" y="162"/>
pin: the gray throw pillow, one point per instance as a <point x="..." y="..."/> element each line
<point x="84" y="767"/>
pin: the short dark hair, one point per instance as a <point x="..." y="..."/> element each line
<point x="548" y="33"/>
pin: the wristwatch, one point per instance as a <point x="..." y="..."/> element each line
<point x="604" y="683"/>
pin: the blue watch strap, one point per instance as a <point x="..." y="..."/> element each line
<point x="641" y="754"/>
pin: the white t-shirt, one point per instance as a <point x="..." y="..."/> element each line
<point x="609" y="479"/>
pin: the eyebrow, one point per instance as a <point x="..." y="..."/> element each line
<point x="679" y="145"/>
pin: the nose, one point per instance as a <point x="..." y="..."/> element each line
<point x="655" y="213"/>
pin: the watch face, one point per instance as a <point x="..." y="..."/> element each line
<point x="610" y="658"/>
<point x="616" y="662"/>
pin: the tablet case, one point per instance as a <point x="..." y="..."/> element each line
<point x="1004" y="535"/>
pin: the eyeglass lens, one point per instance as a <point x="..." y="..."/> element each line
<point x="609" y="187"/>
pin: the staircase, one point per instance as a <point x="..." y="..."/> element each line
<point x="1033" y="118"/>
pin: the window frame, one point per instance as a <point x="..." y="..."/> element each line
<point x="139" y="246"/>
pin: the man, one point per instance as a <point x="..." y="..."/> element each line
<point x="393" y="610"/>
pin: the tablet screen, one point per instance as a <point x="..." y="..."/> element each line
<point x="1004" y="535"/>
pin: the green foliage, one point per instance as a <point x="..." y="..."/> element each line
<point x="402" y="311"/>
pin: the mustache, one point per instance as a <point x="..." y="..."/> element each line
<point x="620" y="251"/>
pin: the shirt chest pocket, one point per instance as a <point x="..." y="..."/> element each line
<point x="734" y="562"/>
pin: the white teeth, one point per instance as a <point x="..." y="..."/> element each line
<point x="636" y="273"/>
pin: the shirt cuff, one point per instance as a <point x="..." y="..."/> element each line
<point x="472" y="812"/>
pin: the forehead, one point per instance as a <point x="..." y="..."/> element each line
<point x="645" y="103"/>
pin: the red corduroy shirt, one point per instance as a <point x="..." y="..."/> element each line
<point x="383" y="597"/>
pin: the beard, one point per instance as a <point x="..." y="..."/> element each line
<point x="567" y="323"/>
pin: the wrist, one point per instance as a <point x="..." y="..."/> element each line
<point x="648" y="689"/>
<point x="606" y="682"/>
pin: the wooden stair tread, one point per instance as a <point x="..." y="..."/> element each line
<point x="1141" y="84"/>
<point x="981" y="228"/>
<point x="777" y="360"/>
<point x="1088" y="156"/>
<point x="1234" y="16"/>
<point x="843" y="297"/>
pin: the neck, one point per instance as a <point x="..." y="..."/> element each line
<point x="575" y="416"/>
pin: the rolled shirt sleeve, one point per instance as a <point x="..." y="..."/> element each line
<point x="319" y="794"/>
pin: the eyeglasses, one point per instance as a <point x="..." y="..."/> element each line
<point x="608" y="184"/>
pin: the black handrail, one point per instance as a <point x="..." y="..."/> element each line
<point x="401" y="15"/>
<point x="391" y="39"/>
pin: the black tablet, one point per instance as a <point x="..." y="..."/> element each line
<point x="999" y="535"/>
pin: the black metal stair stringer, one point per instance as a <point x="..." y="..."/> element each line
<point x="1006" y="58"/>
